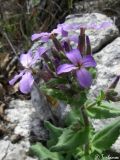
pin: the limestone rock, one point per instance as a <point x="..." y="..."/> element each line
<point x="27" y="124"/>
<point x="98" y="37"/>
<point x="108" y="66"/>
<point x="9" y="151"/>
<point x="23" y="115"/>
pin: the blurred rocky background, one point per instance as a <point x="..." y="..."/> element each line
<point x="19" y="124"/>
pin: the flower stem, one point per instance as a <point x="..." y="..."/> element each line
<point x="86" y="123"/>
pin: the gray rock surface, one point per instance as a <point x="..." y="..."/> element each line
<point x="43" y="108"/>
<point x="98" y="37"/>
<point x="9" y="151"/>
<point x="23" y="115"/>
<point x="40" y="103"/>
<point x="108" y="66"/>
<point x="27" y="124"/>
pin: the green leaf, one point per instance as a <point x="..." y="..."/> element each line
<point x="102" y="111"/>
<point x="43" y="153"/>
<point x="56" y="81"/>
<point x="73" y="116"/>
<point x="100" y="97"/>
<point x="104" y="139"/>
<point x="70" y="139"/>
<point x="56" y="93"/>
<point x="54" y="133"/>
<point x="65" y="96"/>
<point x="93" y="72"/>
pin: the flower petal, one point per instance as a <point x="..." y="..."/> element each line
<point x="89" y="61"/>
<point x="65" y="68"/>
<point x="16" y="77"/>
<point x="26" y="83"/>
<point x="66" y="27"/>
<point x="74" y="56"/>
<point x="60" y="31"/>
<point x="35" y="36"/>
<point x="44" y="36"/>
<point x="39" y="52"/>
<point x="74" y="38"/>
<point x="26" y="59"/>
<point x="84" y="78"/>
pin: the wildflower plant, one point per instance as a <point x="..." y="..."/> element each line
<point x="68" y="73"/>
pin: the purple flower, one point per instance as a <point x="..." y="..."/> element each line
<point x="103" y="25"/>
<point x="62" y="29"/>
<point x="27" y="80"/>
<point x="44" y="36"/>
<point x="79" y="64"/>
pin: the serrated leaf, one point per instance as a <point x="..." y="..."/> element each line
<point x="43" y="153"/>
<point x="70" y="139"/>
<point x="54" y="133"/>
<point x="102" y="111"/>
<point x="104" y="139"/>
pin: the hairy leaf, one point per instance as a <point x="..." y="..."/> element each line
<point x="104" y="139"/>
<point x="70" y="139"/>
<point x="73" y="116"/>
<point x="102" y="111"/>
<point x="54" y="133"/>
<point x="43" y="153"/>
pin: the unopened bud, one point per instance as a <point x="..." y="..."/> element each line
<point x="81" y="41"/>
<point x="88" y="46"/>
<point x="56" y="43"/>
<point x="67" y="46"/>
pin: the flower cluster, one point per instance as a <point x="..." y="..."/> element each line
<point x="64" y="57"/>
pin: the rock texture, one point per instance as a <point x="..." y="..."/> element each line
<point x="110" y="8"/>
<point x="23" y="115"/>
<point x="26" y="127"/>
<point x="9" y="151"/>
<point x="98" y="37"/>
<point x="108" y="65"/>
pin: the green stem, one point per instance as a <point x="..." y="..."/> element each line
<point x="86" y="123"/>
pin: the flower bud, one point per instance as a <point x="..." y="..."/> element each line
<point x="81" y="41"/>
<point x="56" y="43"/>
